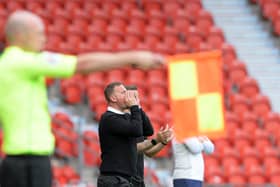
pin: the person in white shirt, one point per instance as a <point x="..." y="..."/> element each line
<point x="189" y="163"/>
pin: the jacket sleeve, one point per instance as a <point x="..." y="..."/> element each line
<point x="148" y="129"/>
<point x="194" y="145"/>
<point x="208" y="147"/>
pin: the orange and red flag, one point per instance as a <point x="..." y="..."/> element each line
<point x="196" y="94"/>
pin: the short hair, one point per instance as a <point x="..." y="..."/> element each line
<point x="110" y="89"/>
<point x="131" y="87"/>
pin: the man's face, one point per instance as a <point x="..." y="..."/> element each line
<point x="119" y="96"/>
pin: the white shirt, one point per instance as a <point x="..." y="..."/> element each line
<point x="116" y="111"/>
<point x="188" y="157"/>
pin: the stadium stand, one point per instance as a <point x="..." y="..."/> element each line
<point x="250" y="152"/>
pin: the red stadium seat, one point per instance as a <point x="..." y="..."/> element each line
<point x="170" y="8"/>
<point x="221" y="144"/>
<point x="276" y="24"/>
<point x="133" y="36"/>
<point x="262" y="143"/>
<point x="71" y="6"/>
<point x="232" y="122"/>
<point x="74" y="39"/>
<point x="119" y="18"/>
<point x="138" y="17"/>
<point x="115" y="75"/>
<point x="229" y="54"/>
<point x="67" y="48"/>
<point x="215" y="39"/>
<point x="192" y="10"/>
<point x="249" y="87"/>
<point x="250" y="122"/>
<point x="275" y="179"/>
<point x="34" y="5"/>
<point x="96" y="102"/>
<point x="92" y="154"/>
<point x="204" y="23"/>
<point x="239" y="104"/>
<point x="115" y="35"/>
<point x="109" y="6"/>
<point x="229" y="163"/>
<point x="170" y="37"/>
<point x="153" y="33"/>
<point x="99" y="110"/>
<point x="14" y="5"/>
<point x="157" y="77"/>
<point x="150" y="5"/>
<point x="90" y="136"/>
<point x="72" y="89"/>
<point x="250" y="157"/>
<point x="81" y="17"/>
<point x="157" y="19"/>
<point x="237" y="72"/>
<point x="182" y="25"/>
<point x="271" y="122"/>
<point x="270" y="154"/>
<point x="261" y="105"/>
<point x="193" y="39"/>
<point x="181" y="48"/>
<point x="272" y="170"/>
<point x="270" y="10"/>
<point x="136" y="76"/>
<point x="240" y="139"/>
<point x="233" y="170"/>
<point x="95" y="79"/>
<point x="211" y="161"/>
<point x="213" y="171"/>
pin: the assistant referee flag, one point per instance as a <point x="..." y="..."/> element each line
<point x="196" y="94"/>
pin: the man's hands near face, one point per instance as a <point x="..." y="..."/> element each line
<point x="131" y="98"/>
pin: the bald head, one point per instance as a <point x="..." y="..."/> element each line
<point x="20" y="26"/>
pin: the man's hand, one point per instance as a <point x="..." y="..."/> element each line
<point x="135" y="94"/>
<point x="202" y="138"/>
<point x="148" y="60"/>
<point x="165" y="134"/>
<point x="130" y="99"/>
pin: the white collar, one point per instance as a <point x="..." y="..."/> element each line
<point x="111" y="109"/>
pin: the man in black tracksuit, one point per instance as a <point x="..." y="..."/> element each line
<point x="149" y="147"/>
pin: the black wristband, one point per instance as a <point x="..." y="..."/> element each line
<point x="153" y="141"/>
<point x="163" y="143"/>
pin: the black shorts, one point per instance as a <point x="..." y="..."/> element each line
<point x="26" y="171"/>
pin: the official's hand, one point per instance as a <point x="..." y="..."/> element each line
<point x="148" y="60"/>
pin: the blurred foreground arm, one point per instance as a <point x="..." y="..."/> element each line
<point x="92" y="62"/>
